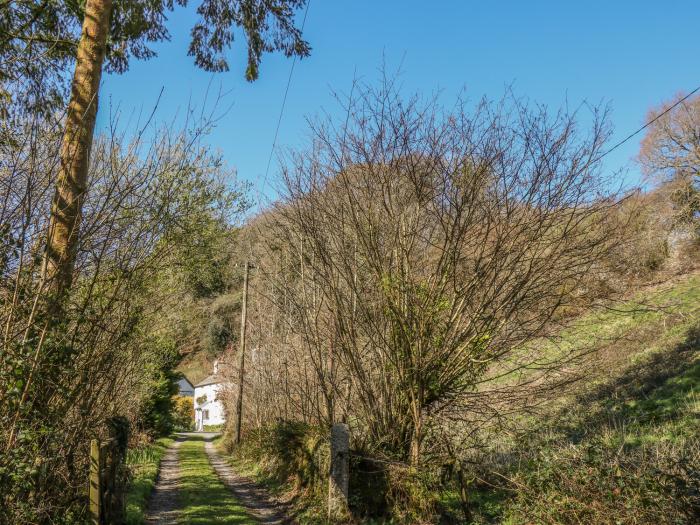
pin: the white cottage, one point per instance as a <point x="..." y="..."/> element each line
<point x="208" y="408"/>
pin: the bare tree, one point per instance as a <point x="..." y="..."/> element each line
<point x="670" y="154"/>
<point x="427" y="247"/>
<point x="672" y="143"/>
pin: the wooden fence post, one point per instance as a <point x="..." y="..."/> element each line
<point x="95" y="483"/>
<point x="108" y="475"/>
<point x="339" y="473"/>
<point x="113" y="471"/>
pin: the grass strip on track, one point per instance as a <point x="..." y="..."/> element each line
<point x="204" y="499"/>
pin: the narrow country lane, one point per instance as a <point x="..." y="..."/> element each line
<point x="255" y="499"/>
<point x="197" y="487"/>
<point x="163" y="509"/>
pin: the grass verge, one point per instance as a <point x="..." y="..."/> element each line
<point x="143" y="464"/>
<point x="288" y="460"/>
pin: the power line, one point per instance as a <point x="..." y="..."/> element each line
<point x="645" y="126"/>
<point x="289" y="81"/>
<point x="284" y="102"/>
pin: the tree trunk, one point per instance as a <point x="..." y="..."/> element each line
<point x="71" y="183"/>
<point x="415" y="444"/>
<point x="417" y="430"/>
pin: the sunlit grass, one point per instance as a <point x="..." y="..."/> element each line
<point x="143" y="464"/>
<point x="665" y="313"/>
<point x="203" y="498"/>
<point x="632" y="419"/>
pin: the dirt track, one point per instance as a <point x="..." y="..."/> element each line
<point x="164" y="507"/>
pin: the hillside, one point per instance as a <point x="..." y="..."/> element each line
<point x="624" y="447"/>
<point x="196" y="366"/>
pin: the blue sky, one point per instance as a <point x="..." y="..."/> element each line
<point x="632" y="54"/>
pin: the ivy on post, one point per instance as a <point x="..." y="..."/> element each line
<point x="113" y="471"/>
<point x="108" y="475"/>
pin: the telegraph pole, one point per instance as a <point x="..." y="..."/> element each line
<point x="241" y="357"/>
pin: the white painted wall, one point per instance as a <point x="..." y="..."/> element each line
<point x="211" y="411"/>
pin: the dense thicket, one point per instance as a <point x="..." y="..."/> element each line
<point x="100" y="234"/>
<point x="149" y="203"/>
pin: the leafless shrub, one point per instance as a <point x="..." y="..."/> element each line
<point x="417" y="255"/>
<point x="670" y="157"/>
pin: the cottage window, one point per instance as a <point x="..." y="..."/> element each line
<point x="206" y="414"/>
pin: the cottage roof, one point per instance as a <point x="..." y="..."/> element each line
<point x="184" y="378"/>
<point x="210" y="380"/>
